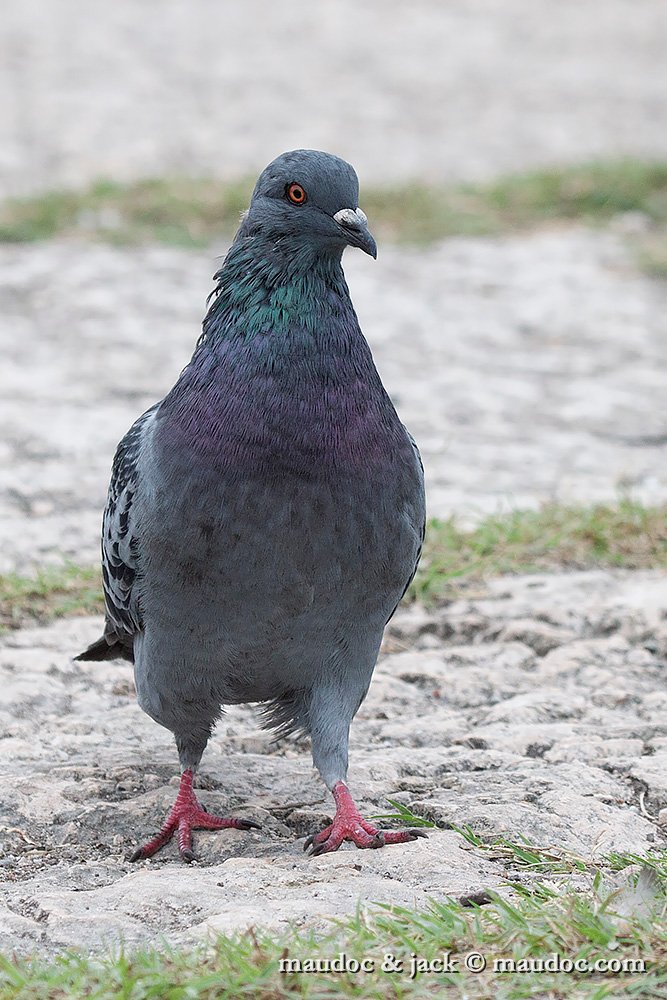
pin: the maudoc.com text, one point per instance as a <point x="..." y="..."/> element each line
<point x="414" y="965"/>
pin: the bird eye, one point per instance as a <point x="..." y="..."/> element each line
<point x="296" y="194"/>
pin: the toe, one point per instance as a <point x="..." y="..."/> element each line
<point x="327" y="841"/>
<point x="402" y="836"/>
<point x="326" y="847"/>
<point x="318" y="838"/>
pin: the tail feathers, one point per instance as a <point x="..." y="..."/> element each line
<point x="286" y="715"/>
<point x="106" y="649"/>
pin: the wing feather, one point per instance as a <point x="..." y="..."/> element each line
<point x="120" y="548"/>
<point x="418" y="554"/>
<point x="119" y="536"/>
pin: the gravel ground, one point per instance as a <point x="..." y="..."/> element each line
<point x="527" y="367"/>
<point x="462" y="89"/>
<point x="533" y="707"/>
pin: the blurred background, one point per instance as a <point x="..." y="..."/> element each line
<point x="463" y="90"/>
<point x="513" y="164"/>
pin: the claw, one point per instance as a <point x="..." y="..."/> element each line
<point x="348" y="825"/>
<point x="247" y="824"/>
<point x="187" y="815"/>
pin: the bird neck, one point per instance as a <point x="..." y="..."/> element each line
<point x="283" y="292"/>
<point x="282" y="373"/>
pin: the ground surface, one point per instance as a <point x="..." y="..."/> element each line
<point x="464" y="89"/>
<point x="533" y="707"/>
<point x="528" y="368"/>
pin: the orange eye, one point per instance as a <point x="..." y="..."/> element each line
<point x="296" y="194"/>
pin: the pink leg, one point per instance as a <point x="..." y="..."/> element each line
<point x="348" y="825"/>
<point x="187" y="814"/>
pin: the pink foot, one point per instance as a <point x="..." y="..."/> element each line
<point x="348" y="825"/>
<point x="187" y="814"/>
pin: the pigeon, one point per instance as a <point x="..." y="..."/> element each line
<point x="266" y="517"/>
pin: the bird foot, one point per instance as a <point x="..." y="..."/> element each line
<point x="349" y="825"/>
<point x="187" y="814"/>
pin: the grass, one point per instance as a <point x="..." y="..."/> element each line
<point x="196" y="211"/>
<point x="521" y="926"/>
<point x="403" y="815"/>
<point x="592" y="193"/>
<point x="625" y="534"/>
<point x="522" y="854"/>
<point x="178" y="211"/>
<point x="622" y="535"/>
<point x="54" y="592"/>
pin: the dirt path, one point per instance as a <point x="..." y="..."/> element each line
<point x="535" y="707"/>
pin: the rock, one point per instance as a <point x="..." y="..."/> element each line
<point x="410" y="623"/>
<point x="652" y="771"/>
<point x="540" y="636"/>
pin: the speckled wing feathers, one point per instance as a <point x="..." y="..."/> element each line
<point x="423" y="531"/>
<point x="120" y="547"/>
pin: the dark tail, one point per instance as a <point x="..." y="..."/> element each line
<point x="104" y="649"/>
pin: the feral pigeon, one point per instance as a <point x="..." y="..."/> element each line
<point x="266" y="517"/>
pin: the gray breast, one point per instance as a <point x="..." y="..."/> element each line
<point x="270" y="582"/>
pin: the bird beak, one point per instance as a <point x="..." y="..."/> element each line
<point x="354" y="224"/>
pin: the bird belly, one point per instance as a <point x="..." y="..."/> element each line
<point x="260" y="598"/>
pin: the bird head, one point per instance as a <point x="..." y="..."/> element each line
<point x="309" y="197"/>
